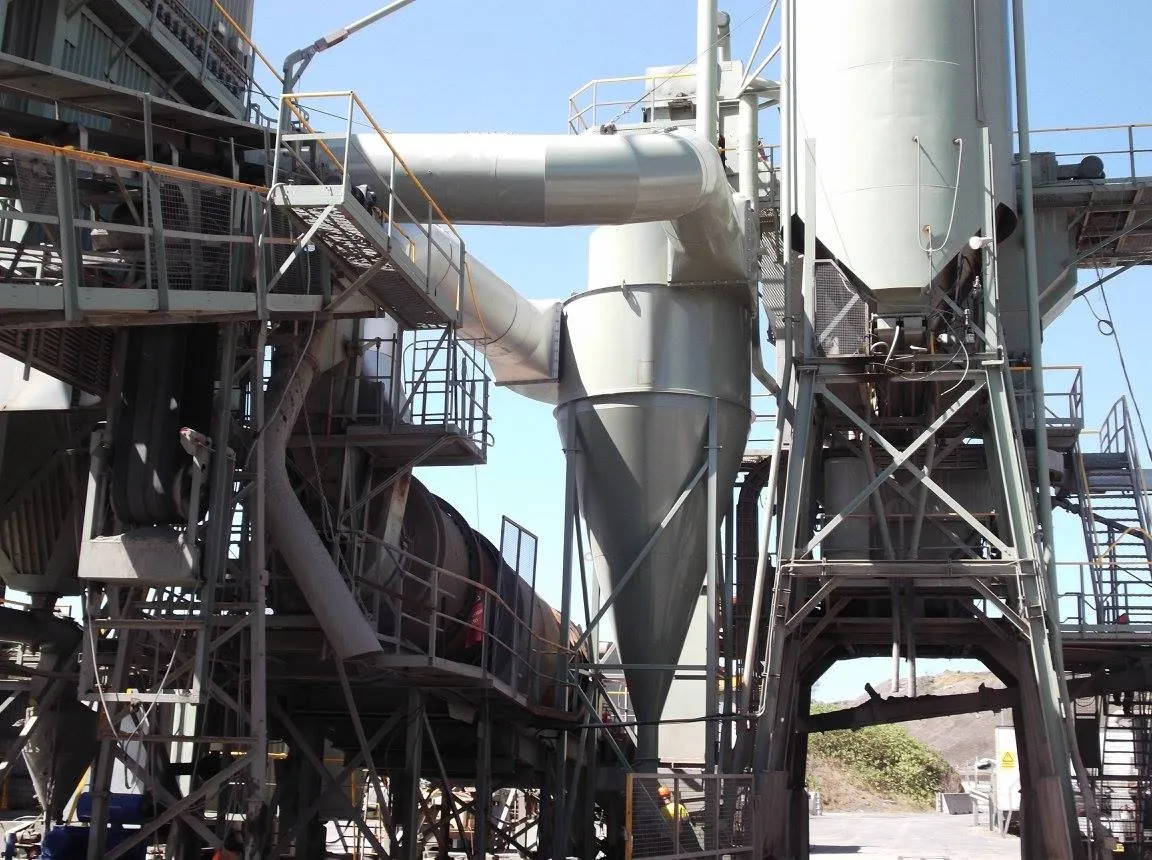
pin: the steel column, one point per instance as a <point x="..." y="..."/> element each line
<point x="712" y="693"/>
<point x="410" y="846"/>
<point x="483" y="811"/>
<point x="69" y="249"/>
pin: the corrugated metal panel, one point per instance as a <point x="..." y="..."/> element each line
<point x="22" y="28"/>
<point x="90" y="50"/>
<point x="204" y="11"/>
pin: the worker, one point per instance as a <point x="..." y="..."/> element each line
<point x="684" y="835"/>
<point x="672" y="810"/>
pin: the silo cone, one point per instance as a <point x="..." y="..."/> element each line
<point x="59" y="752"/>
<point x="642" y="367"/>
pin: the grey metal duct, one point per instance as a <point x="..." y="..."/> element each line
<point x="516" y="334"/>
<point x="36" y="629"/>
<point x="293" y="533"/>
<point x="645" y="363"/>
<point x="62" y="745"/>
<point x="596" y="179"/>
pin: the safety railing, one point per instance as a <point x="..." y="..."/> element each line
<point x="1126" y="150"/>
<point x="1105" y="600"/>
<point x="422" y="379"/>
<point x="1063" y="396"/>
<point x="425" y="610"/>
<point x="631" y="99"/>
<point x="1117" y="437"/>
<point x="446" y="386"/>
<point x="761" y="437"/>
<point x="616" y="714"/>
<point x="669" y="816"/>
<point x="412" y="224"/>
<point x="80" y="220"/>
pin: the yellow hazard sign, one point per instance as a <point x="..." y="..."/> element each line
<point x="1008" y="760"/>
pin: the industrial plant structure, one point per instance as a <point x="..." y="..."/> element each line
<point x="236" y="320"/>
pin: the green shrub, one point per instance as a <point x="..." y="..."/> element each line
<point x="886" y="758"/>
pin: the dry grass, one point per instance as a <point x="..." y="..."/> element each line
<point x="957" y="739"/>
<point x="841" y="790"/>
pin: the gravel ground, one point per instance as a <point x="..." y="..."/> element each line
<point x="908" y="837"/>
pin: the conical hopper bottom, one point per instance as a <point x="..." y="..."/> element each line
<point x="59" y="752"/>
<point x="637" y="454"/>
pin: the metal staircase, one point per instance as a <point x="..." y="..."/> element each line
<point x="1114" y="511"/>
<point x="411" y="264"/>
<point x="1122" y="781"/>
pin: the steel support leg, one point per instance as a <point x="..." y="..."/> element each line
<point x="483" y="812"/>
<point x="798" y="769"/>
<point x="712" y="655"/>
<point x="410" y="815"/>
<point x="772" y="719"/>
<point x="1051" y="744"/>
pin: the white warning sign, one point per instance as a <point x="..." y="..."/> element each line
<point x="1007" y="773"/>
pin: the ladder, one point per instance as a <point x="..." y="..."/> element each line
<point x="1114" y="512"/>
<point x="401" y="252"/>
<point x="1123" y="781"/>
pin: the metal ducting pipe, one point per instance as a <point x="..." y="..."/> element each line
<point x="748" y="608"/>
<point x="707" y="79"/>
<point x="516" y="334"/>
<point x="293" y="533"/>
<point x="557" y="180"/>
<point x="37" y="629"/>
<point x="63" y="743"/>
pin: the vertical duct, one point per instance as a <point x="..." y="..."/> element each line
<point x="293" y="533"/>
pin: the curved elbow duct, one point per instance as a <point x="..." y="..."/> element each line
<point x="558" y="180"/>
<point x="293" y="533"/>
<point x="517" y="335"/>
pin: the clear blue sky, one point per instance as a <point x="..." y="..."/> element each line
<point x="509" y="65"/>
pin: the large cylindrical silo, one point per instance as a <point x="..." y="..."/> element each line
<point x="643" y="363"/>
<point x="895" y="94"/>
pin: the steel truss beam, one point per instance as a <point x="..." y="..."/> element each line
<point x="225" y="611"/>
<point x="1017" y="564"/>
<point x="936" y="455"/>
<point x="301" y="743"/>
<point x="903" y="459"/>
<point x="333" y="781"/>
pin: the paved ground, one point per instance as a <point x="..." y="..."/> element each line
<point x="908" y="837"/>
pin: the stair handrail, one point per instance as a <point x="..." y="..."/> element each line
<point x="1087" y="522"/>
<point x="292" y="101"/>
<point x="1116" y="438"/>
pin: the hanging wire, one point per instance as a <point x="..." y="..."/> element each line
<point x="1107" y="327"/>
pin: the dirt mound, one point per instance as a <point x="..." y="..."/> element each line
<point x="959" y="739"/>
